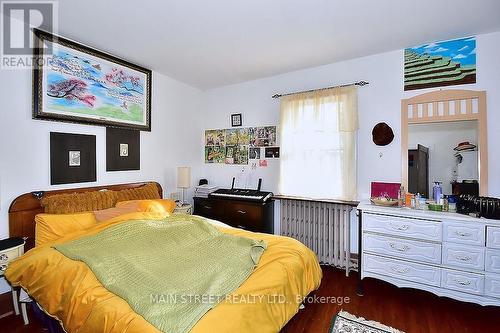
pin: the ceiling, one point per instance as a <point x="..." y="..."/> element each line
<point x="219" y="42"/>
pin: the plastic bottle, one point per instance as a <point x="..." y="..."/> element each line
<point x="437" y="191"/>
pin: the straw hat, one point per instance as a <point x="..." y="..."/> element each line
<point x="464" y="146"/>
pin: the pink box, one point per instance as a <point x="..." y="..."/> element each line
<point x="380" y="189"/>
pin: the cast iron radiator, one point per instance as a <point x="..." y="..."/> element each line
<point x="321" y="226"/>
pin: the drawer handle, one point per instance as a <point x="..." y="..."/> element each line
<point x="463" y="258"/>
<point x="3" y="257"/>
<point x="401" y="270"/>
<point x="403" y="248"/>
<point x="462" y="282"/>
<point x="463" y="234"/>
<point x="241" y="211"/>
<point x="402" y="227"/>
<point x="207" y="207"/>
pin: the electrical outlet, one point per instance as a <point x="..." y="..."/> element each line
<point x="176" y="196"/>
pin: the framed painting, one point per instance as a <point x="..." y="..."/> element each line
<point x="439" y="64"/>
<point x="75" y="83"/>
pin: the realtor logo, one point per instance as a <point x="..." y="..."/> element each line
<point x="18" y="20"/>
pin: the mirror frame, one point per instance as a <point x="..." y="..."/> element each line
<point x="429" y="116"/>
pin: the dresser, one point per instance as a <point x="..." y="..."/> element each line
<point x="253" y="216"/>
<point x="448" y="254"/>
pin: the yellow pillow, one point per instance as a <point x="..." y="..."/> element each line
<point x="152" y="206"/>
<point x="50" y="227"/>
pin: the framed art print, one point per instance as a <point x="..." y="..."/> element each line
<point x="72" y="158"/>
<point x="236" y="120"/>
<point x="75" y="83"/>
<point x="123" y="149"/>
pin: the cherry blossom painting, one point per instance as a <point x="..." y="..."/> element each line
<point x="75" y="83"/>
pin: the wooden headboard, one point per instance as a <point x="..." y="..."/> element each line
<point x="25" y="207"/>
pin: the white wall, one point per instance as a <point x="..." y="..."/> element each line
<point x="379" y="101"/>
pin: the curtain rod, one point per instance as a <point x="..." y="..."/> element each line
<point x="359" y="83"/>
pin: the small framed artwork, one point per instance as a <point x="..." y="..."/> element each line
<point x="72" y="158"/>
<point x="236" y="120"/>
<point x="122" y="149"/>
<point x="254" y="153"/>
<point x="272" y="152"/>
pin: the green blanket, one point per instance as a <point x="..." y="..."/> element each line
<point x="172" y="271"/>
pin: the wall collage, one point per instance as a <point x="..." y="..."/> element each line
<point x="239" y="145"/>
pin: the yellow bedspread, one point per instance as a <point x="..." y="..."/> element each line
<point x="69" y="291"/>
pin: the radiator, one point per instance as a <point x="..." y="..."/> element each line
<point x="321" y="226"/>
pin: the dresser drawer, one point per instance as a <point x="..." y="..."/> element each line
<point x="492" y="261"/>
<point x="400" y="226"/>
<point x="464" y="234"/>
<point x="213" y="209"/>
<point x="463" y="256"/>
<point x="493" y="237"/>
<point x="11" y="254"/>
<point x="462" y="281"/>
<point x="402" y="270"/>
<point x="246" y="216"/>
<point x="402" y="248"/>
<point x="492" y="285"/>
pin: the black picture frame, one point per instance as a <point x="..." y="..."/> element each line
<point x="72" y="158"/>
<point x="272" y="152"/>
<point x="40" y="37"/>
<point x="236" y="120"/>
<point x="116" y="159"/>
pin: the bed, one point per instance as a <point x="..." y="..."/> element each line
<point x="69" y="291"/>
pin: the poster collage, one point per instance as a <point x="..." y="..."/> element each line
<point x="238" y="145"/>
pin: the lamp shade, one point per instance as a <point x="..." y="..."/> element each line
<point x="183" y="177"/>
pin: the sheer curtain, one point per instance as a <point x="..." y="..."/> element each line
<point x="318" y="144"/>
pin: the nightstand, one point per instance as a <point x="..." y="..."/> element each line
<point x="184" y="209"/>
<point x="10" y="249"/>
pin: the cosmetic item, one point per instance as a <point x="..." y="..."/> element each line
<point x="401" y="196"/>
<point x="446" y="206"/>
<point x="422" y="204"/>
<point x="452" y="204"/>
<point x="413" y="204"/>
<point x="408" y="197"/>
<point x="417" y="201"/>
<point x="437" y="191"/>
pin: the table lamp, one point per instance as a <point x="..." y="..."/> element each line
<point x="183" y="180"/>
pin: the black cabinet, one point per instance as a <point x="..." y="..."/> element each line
<point x="253" y="216"/>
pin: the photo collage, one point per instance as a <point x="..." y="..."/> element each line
<point x="238" y="145"/>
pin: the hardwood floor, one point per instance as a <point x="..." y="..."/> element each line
<point x="410" y="310"/>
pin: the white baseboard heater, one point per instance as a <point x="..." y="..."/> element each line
<point x="322" y="226"/>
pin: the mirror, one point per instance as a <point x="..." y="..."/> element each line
<point x="444" y="139"/>
<point x="444" y="152"/>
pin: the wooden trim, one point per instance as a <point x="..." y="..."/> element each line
<point x="25" y="207"/>
<point x="443" y="95"/>
<point x="447" y="96"/>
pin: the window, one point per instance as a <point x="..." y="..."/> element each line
<point x="318" y="144"/>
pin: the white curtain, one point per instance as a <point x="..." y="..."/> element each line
<point x="318" y="144"/>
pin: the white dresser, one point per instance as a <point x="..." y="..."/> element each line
<point x="447" y="254"/>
